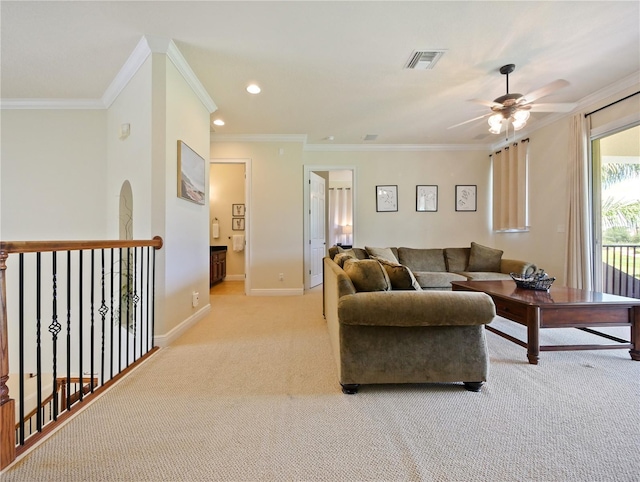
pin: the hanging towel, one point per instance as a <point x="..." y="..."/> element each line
<point x="238" y="242"/>
<point x="215" y="230"/>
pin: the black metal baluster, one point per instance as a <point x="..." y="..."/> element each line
<point x="153" y="302"/>
<point x="92" y="309"/>
<point x="54" y="328"/>
<point x="127" y="299"/>
<point x="111" y="320"/>
<point x="103" y="312"/>
<point x="21" y="338"/>
<point x="149" y="298"/>
<point x="139" y="325"/>
<point x="120" y="311"/>
<point x="80" y="320"/>
<point x="68" y="394"/>
<point x="135" y="299"/>
<point x="38" y="337"/>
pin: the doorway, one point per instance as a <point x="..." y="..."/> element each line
<point x="230" y="216"/>
<point x="329" y="207"/>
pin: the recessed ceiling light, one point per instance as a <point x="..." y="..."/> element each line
<point x="253" y="89"/>
<point x="218" y="122"/>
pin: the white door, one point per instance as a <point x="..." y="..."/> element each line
<point x="317" y="239"/>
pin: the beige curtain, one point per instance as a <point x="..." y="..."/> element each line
<point x="578" y="265"/>
<point x="510" y="184"/>
<point x="340" y="215"/>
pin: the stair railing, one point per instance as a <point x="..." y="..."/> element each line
<point x="77" y="315"/>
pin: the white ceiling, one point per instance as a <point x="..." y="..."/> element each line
<point x="330" y="68"/>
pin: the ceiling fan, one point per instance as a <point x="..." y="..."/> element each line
<point x="514" y="108"/>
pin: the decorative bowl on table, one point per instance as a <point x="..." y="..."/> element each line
<point x="539" y="281"/>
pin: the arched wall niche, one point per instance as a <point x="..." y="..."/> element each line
<point x="126" y="211"/>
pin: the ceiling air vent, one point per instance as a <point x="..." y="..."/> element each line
<point x="370" y="137"/>
<point x="424" y="59"/>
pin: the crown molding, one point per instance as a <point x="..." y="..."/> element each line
<point x="189" y="75"/>
<point x="395" y="147"/>
<point x="259" y="138"/>
<point x="126" y="73"/>
<point x="51" y="104"/>
<point x="587" y="103"/>
<point x="145" y="47"/>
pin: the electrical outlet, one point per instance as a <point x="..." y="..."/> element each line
<point x="281" y="276"/>
<point x="195" y="299"/>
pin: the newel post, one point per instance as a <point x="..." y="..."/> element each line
<point x="7" y="405"/>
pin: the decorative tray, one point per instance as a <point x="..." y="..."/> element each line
<point x="539" y="281"/>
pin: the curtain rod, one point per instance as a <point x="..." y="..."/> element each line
<point x="612" y="103"/>
<point x="507" y="146"/>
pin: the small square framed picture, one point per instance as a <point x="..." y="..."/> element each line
<point x="466" y="198"/>
<point x="237" y="210"/>
<point x="386" y="198"/>
<point x="426" y="198"/>
<point x="237" y="224"/>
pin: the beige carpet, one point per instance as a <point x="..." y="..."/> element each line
<point x="250" y="394"/>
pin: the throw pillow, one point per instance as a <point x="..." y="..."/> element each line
<point x="482" y="258"/>
<point x="384" y="253"/>
<point x="367" y="275"/>
<point x="350" y="252"/>
<point x="400" y="276"/>
<point x="341" y="258"/>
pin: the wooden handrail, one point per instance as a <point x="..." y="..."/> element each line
<point x="47" y="246"/>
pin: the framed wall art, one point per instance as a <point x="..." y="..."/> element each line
<point x="426" y="198"/>
<point x="466" y="198"/>
<point x="191" y="173"/>
<point x="386" y="198"/>
<point x="237" y="209"/>
<point x="237" y="224"/>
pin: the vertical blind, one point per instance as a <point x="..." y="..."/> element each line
<point x="510" y="187"/>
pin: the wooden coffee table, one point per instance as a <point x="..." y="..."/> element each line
<point x="560" y="308"/>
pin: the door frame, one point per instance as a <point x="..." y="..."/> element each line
<point x="306" y="206"/>
<point x="247" y="215"/>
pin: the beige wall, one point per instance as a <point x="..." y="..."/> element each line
<point x="227" y="183"/>
<point x="53" y="174"/>
<point x="275" y="200"/>
<point x="186" y="248"/>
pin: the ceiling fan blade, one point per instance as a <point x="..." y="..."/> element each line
<point x="566" y="107"/>
<point x="471" y="120"/>
<point x="488" y="103"/>
<point x="542" y="91"/>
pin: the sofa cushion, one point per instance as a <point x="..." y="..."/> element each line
<point x="484" y="276"/>
<point x="457" y="259"/>
<point x="437" y="280"/>
<point x="400" y="276"/>
<point x="367" y="275"/>
<point x="422" y="259"/>
<point x="483" y="258"/>
<point x="340" y="258"/>
<point x="384" y="253"/>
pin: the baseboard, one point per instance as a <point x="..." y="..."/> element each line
<point x="278" y="292"/>
<point x="165" y="340"/>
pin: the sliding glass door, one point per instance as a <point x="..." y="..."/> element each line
<point x="616" y="209"/>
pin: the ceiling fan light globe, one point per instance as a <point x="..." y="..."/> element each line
<point x="495" y="121"/>
<point x="521" y="116"/>
<point x="517" y="125"/>
<point x="495" y="129"/>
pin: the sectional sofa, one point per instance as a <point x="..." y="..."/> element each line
<point x="436" y="268"/>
